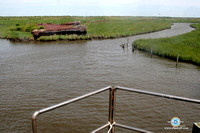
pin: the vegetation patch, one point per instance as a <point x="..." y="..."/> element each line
<point x="97" y="27"/>
<point x="186" y="46"/>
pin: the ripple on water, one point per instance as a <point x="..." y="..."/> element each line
<point x="37" y="76"/>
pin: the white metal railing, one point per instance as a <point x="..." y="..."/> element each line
<point x="112" y="105"/>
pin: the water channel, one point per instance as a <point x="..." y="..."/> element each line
<point x="34" y="75"/>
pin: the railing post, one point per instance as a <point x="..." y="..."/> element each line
<point x="34" y="124"/>
<point x="112" y="102"/>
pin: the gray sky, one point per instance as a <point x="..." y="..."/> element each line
<point x="172" y="8"/>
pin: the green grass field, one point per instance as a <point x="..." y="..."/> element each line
<point x="187" y="46"/>
<point x="114" y="27"/>
<point x="19" y="28"/>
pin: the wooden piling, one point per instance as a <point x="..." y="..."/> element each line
<point x="151" y="52"/>
<point x="133" y="47"/>
<point x="127" y="42"/>
<point x="122" y="45"/>
<point x="177" y="58"/>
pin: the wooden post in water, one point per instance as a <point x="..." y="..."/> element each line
<point x="133" y="47"/>
<point x="127" y="42"/>
<point x="123" y="45"/>
<point x="151" y="52"/>
<point x="177" y="58"/>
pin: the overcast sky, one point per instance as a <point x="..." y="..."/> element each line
<point x="172" y="8"/>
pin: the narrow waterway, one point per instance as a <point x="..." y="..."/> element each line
<point x="35" y="75"/>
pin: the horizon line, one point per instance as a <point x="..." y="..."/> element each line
<point x="93" y="16"/>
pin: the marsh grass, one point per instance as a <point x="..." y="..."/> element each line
<point x="103" y="28"/>
<point x="187" y="46"/>
<point x="115" y="29"/>
<point x="123" y="28"/>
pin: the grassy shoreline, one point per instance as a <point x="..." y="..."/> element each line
<point x="99" y="27"/>
<point x="92" y="36"/>
<point x="19" y="28"/>
<point x="186" y="46"/>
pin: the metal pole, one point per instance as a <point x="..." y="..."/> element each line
<point x="100" y="128"/>
<point x="34" y="124"/>
<point x="132" y="128"/>
<point x="159" y="95"/>
<point x="112" y="103"/>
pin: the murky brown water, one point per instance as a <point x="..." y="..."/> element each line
<point x="34" y="76"/>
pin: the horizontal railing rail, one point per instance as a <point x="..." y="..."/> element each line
<point x="132" y="128"/>
<point x="112" y="105"/>
<point x="34" y="124"/>
<point x="101" y="128"/>
<point x="159" y="95"/>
